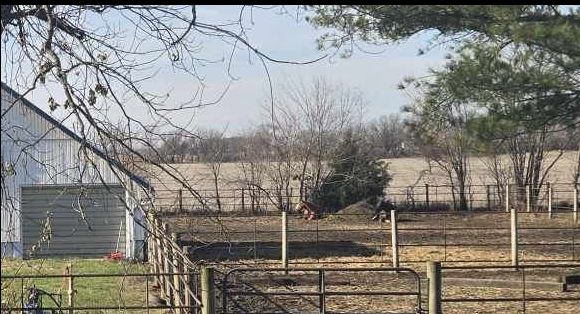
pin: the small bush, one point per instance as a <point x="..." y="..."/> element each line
<point x="355" y="175"/>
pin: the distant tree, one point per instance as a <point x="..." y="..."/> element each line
<point x="172" y="148"/>
<point x="389" y="137"/>
<point x="355" y="174"/>
<point x="526" y="151"/>
<point x="305" y="121"/>
<point x="212" y="149"/>
<point x="100" y="62"/>
<point x="317" y="113"/>
<point x="254" y="155"/>
<point x="439" y="124"/>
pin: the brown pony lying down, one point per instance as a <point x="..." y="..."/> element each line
<point x="309" y="210"/>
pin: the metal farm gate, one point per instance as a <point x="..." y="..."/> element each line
<point x="321" y="290"/>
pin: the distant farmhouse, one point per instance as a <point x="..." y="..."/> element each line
<point x="63" y="196"/>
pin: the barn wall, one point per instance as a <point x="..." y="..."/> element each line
<point x="34" y="151"/>
<point x="98" y="234"/>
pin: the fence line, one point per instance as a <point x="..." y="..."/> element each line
<point x="436" y="279"/>
<point x="165" y="256"/>
<point x="318" y="296"/>
<point x="421" y="197"/>
<point x="442" y="227"/>
<point x="73" y="305"/>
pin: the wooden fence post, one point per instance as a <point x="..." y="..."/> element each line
<point x="166" y="254"/>
<point x="575" y="203"/>
<point x="150" y="244"/>
<point x="177" y="289"/>
<point x="187" y="284"/>
<point x="154" y="248"/>
<point x="160" y="244"/>
<point x="243" y="200"/>
<point x="253" y="196"/>
<point x="394" y="238"/>
<point x="434" y="276"/>
<point x="549" y="200"/>
<point x="180" y="194"/>
<point x="507" y="198"/>
<point x="207" y="291"/>
<point x="285" y="240"/>
<point x="487" y="192"/>
<point x="71" y="290"/>
<point x="528" y="198"/>
<point x="514" y="237"/>
<point x="148" y="239"/>
<point x="427" y="195"/>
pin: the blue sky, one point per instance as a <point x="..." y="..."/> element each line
<point x="283" y="37"/>
<point x="375" y="75"/>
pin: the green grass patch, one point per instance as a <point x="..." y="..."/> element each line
<point x="116" y="291"/>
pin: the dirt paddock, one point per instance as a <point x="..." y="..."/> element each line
<point x="354" y="240"/>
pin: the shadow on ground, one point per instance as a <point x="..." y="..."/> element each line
<point x="234" y="251"/>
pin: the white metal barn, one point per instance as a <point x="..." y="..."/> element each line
<point x="57" y="201"/>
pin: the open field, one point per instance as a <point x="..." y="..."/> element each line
<point x="405" y="172"/>
<point x="116" y="291"/>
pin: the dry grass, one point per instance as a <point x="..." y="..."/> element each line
<point x="442" y="237"/>
<point x="356" y="241"/>
<point x="405" y="172"/>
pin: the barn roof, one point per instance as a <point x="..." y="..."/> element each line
<point x="136" y="178"/>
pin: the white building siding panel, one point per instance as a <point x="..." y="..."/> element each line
<point x="34" y="151"/>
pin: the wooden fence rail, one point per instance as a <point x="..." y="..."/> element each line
<point x="165" y="256"/>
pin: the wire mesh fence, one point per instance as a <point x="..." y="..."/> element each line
<point x="507" y="289"/>
<point x="320" y="290"/>
<point x="452" y="237"/>
<point x="425" y="197"/>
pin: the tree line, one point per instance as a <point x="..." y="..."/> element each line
<point x="387" y="135"/>
<point x="315" y="133"/>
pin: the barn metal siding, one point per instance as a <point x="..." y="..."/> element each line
<point x="42" y="154"/>
<point x="33" y="142"/>
<point x="55" y="211"/>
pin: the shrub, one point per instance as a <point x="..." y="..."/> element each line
<point x="354" y="175"/>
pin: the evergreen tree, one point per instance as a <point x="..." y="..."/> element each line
<point x="355" y="175"/>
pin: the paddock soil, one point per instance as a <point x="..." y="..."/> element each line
<point x="377" y="281"/>
<point x="354" y="240"/>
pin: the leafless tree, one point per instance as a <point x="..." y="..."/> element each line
<point x="96" y="60"/>
<point x="531" y="160"/>
<point x="97" y="64"/>
<point x="309" y="118"/>
<point x="212" y="150"/>
<point x="254" y="155"/>
<point x="439" y="125"/>
<point x="498" y="168"/>
<point x="389" y="137"/>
